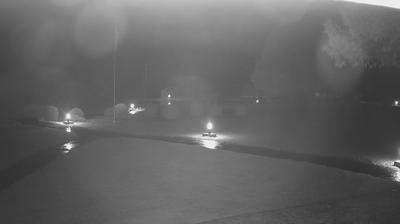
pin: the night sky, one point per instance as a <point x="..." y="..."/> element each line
<point x="61" y="52"/>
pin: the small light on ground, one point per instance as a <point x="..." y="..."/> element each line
<point x="134" y="110"/>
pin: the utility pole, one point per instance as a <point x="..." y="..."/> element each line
<point x="145" y="82"/>
<point x="115" y="64"/>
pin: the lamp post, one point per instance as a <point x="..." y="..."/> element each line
<point x="115" y="66"/>
<point x="209" y="133"/>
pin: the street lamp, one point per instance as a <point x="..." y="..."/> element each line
<point x="68" y="120"/>
<point x="115" y="66"/>
<point x="209" y="133"/>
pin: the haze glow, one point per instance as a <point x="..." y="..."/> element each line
<point x="386" y="3"/>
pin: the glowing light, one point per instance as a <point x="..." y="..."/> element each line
<point x="67" y="147"/>
<point x="257" y="100"/>
<point x="169" y="102"/>
<point x="209" y="125"/>
<point x="169" y="95"/>
<point x="396" y="175"/>
<point x="134" y="110"/>
<point x="390" y="165"/>
<point x="68" y="129"/>
<point x="68" y="116"/>
<point x="396" y="102"/>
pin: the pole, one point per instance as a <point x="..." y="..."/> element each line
<point x="145" y="82"/>
<point x="115" y="65"/>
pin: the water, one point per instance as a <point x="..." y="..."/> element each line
<point x="382" y="168"/>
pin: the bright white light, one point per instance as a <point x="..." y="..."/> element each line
<point x="209" y="125"/>
<point x="135" y="110"/>
<point x="169" y="95"/>
<point x="257" y="100"/>
<point x="396" y="103"/>
<point x="68" y="129"/>
<point x="389" y="164"/>
<point x="169" y="102"/>
<point x="68" y="146"/>
<point x="132" y="105"/>
<point x="396" y="175"/>
<point x="68" y="116"/>
<point x="386" y="3"/>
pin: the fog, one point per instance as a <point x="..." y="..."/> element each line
<point x="61" y="52"/>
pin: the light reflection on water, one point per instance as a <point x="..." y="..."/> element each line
<point x="396" y="175"/>
<point x="389" y="164"/>
<point x="209" y="143"/>
<point x="67" y="147"/>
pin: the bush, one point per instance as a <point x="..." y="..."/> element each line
<point x="121" y="111"/>
<point x="77" y="114"/>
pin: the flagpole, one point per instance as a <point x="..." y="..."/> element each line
<point x="115" y="66"/>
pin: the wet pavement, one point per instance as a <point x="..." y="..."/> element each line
<point x="80" y="136"/>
